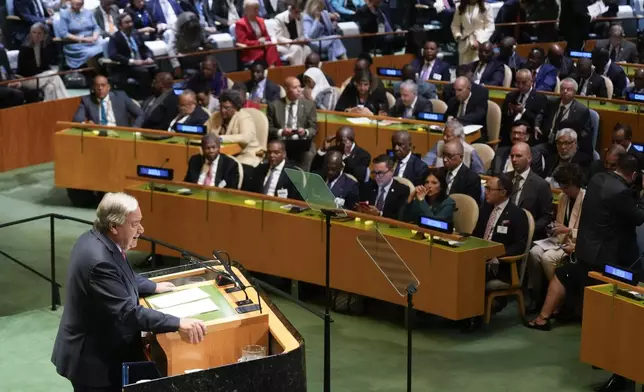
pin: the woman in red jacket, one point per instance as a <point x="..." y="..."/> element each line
<point x="251" y="31"/>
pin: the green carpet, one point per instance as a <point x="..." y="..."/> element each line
<point x="368" y="354"/>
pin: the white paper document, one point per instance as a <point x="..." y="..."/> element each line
<point x="178" y="298"/>
<point x="597" y="8"/>
<point x="468" y="129"/>
<point x="359" y="120"/>
<point x="191" y="309"/>
<point x="548" y="243"/>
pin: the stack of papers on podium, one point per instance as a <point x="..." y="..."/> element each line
<point x="184" y="303"/>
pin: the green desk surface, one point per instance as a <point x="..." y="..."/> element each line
<point x="596" y="105"/>
<point x="608" y="290"/>
<point x="125" y="136"/>
<point x="273" y="206"/>
<point x="340" y="119"/>
<point x="225" y="310"/>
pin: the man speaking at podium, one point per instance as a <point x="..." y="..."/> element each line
<point x="102" y="320"/>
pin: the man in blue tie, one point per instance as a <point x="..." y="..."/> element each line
<point x="107" y="107"/>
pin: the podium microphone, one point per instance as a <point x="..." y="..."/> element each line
<point x="222" y="279"/>
<point x="217" y="255"/>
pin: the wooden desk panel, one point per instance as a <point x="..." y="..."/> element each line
<point x="27" y="132"/>
<point x="452" y="281"/>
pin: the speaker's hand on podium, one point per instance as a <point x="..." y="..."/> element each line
<point x="194" y="329"/>
<point x="164" y="287"/>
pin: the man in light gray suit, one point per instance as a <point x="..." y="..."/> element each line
<point x="294" y="120"/>
<point x="107" y="107"/>
<point x="620" y="50"/>
<point x="102" y="321"/>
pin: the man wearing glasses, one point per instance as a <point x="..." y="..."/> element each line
<point x="566" y="142"/>
<point x="383" y="196"/>
<point x="520" y="134"/>
<point x="459" y="177"/>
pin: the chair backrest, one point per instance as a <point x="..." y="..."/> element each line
<point x="230" y="83"/>
<point x="232" y="32"/>
<point x="351" y="177"/>
<point x="261" y="125"/>
<point x="406" y="182"/>
<point x="486" y="153"/>
<point x="507" y="77"/>
<point x="240" y="171"/>
<point x="557" y="86"/>
<point x="466" y="213"/>
<point x="524" y="261"/>
<point x="594" y="122"/>
<point x="391" y="100"/>
<point x="345" y="83"/>
<point x="609" y="86"/>
<point x="493" y="120"/>
<point x="282" y="92"/>
<point x="438" y="106"/>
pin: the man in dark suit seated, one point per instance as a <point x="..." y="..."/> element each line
<point x="294" y="120"/>
<point x="508" y="56"/>
<point x="605" y="67"/>
<point x="590" y="83"/>
<point x="609" y="163"/>
<point x="478" y="90"/>
<point x="135" y="59"/>
<point x="410" y="104"/>
<point x="408" y="165"/>
<point x="344" y="188"/>
<point x="106" y="15"/>
<point x="371" y="19"/>
<point x="270" y="178"/>
<point x="313" y="60"/>
<point x="564" y="64"/>
<point x="356" y="159"/>
<point x="259" y="87"/>
<point x="102" y="321"/>
<point x="566" y="141"/>
<point x="466" y="106"/>
<point x="525" y="104"/>
<point x="544" y="75"/>
<point x="189" y="112"/>
<point x="383" y="196"/>
<point x="620" y="50"/>
<point x="210" y="76"/>
<point x="565" y="112"/>
<point x="459" y="177"/>
<point x="623" y="135"/>
<point x="107" y="107"/>
<point x="210" y="168"/>
<point x="163" y="105"/>
<point x="29" y="12"/>
<point x="607" y="235"/>
<point x="430" y="67"/>
<point x="487" y="70"/>
<point x="530" y="191"/>
<point x="638" y="84"/>
<point x="502" y="162"/>
<point x="10" y="94"/>
<point x="425" y="89"/>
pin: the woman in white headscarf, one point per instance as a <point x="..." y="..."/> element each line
<point x="318" y="90"/>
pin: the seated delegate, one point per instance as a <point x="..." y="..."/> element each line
<point x="106" y="107"/>
<point x="361" y="99"/>
<point x="211" y="168"/>
<point x="454" y="131"/>
<point x="430" y="200"/>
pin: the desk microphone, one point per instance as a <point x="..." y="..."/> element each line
<point x="161" y="188"/>
<point x="635" y="262"/>
<point x="222" y="279"/>
<point x="217" y="254"/>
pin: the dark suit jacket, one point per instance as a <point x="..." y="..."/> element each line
<point x="27" y="60"/>
<point x="514" y="62"/>
<point x="220" y="9"/>
<point x="578" y="119"/>
<point x="355" y="164"/>
<point x="534" y="107"/>
<point x="638" y="155"/>
<point x="28" y="12"/>
<point x="627" y="51"/>
<point x="493" y="74"/>
<point x="368" y="23"/>
<point x="475" y="111"/>
<point x="580" y="159"/>
<point x="98" y="15"/>
<point x="596" y="85"/>
<point x="155" y="9"/>
<point x="514" y="240"/>
<point x="502" y="154"/>
<point x="536" y="197"/>
<point x="271" y="90"/>
<point x="126" y="112"/>
<point x="162" y="115"/>
<point x="227" y="170"/>
<point x="422" y="105"/>
<point x="415" y="171"/>
<point x="618" y="77"/>
<point x="118" y="49"/>
<point x="394" y="202"/>
<point x="466" y="182"/>
<point x="270" y="11"/>
<point x="306" y="117"/>
<point x="567" y="68"/>
<point x="440" y="68"/>
<point x="259" y="174"/>
<point x="349" y="99"/>
<point x="479" y="91"/>
<point x="141" y="18"/>
<point x="102" y="320"/>
<point x="607" y="234"/>
<point x="546" y="78"/>
<point x="347" y="189"/>
<point x="199" y="117"/>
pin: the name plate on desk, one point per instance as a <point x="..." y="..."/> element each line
<point x="436" y="224"/>
<point x="391" y="72"/>
<point x="622" y="274"/>
<point x="191" y="129"/>
<point x="429" y="116"/>
<point x="155" y="172"/>
<point x="636" y="97"/>
<point x="580" y="55"/>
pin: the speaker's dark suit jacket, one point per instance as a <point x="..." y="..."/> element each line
<point x="355" y="164"/>
<point x="493" y="74"/>
<point x="126" y="112"/>
<point x="102" y="320"/>
<point x="394" y="202"/>
<point x="466" y="182"/>
<point x="440" y="68"/>
<point x="284" y="182"/>
<point x="347" y="189"/>
<point x="596" y="85"/>
<point x="501" y="156"/>
<point x="161" y="114"/>
<point x="514" y="240"/>
<point x="198" y="117"/>
<point x="415" y="171"/>
<point x="422" y="105"/>
<point x="578" y="119"/>
<point x="227" y="170"/>
<point x="534" y="107"/>
<point x="536" y="197"/>
<point x="607" y="234"/>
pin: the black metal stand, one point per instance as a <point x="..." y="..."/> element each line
<point x="327" y="315"/>
<point x="411" y="289"/>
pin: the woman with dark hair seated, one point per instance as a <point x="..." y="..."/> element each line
<point x="429" y="199"/>
<point x="236" y="126"/>
<point x="359" y="97"/>
<point x="144" y="23"/>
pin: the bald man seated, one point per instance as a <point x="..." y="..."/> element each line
<point x="356" y="159"/>
<point x="163" y="105"/>
<point x="466" y="107"/>
<point x="210" y="168"/>
<point x="459" y="177"/>
<point x="619" y="48"/>
<point x="343" y="186"/>
<point x="524" y="104"/>
<point x="487" y="70"/>
<point x="294" y="121"/>
<point x="189" y="112"/>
